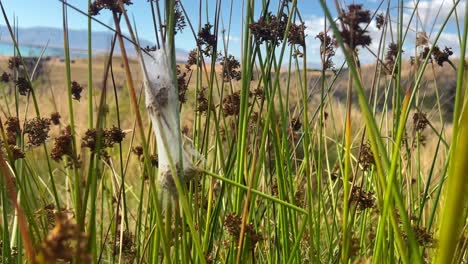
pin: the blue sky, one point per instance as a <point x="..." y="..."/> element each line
<point x="31" y="13"/>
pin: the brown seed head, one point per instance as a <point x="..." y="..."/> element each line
<point x="23" y="85"/>
<point x="38" y="130"/>
<point x="206" y="40"/>
<point x="231" y="68"/>
<point x="76" y="90"/>
<point x="231" y="104"/>
<point x="14" y="62"/>
<point x="351" y="31"/>
<point x="63" y="146"/>
<point x="113" y="5"/>
<point x="5" y="77"/>
<point x="55" y="118"/>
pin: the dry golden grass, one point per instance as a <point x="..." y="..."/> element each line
<point x="52" y="97"/>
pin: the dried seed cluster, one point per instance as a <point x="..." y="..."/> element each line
<point x="362" y="199"/>
<point x="15" y="151"/>
<point x="231" y="104"/>
<point x="76" y="90"/>
<point x="231" y="68"/>
<point x="5" y="77"/>
<point x="202" y="101"/>
<point x="327" y="50"/>
<point x="182" y="84"/>
<point x="23" y="86"/>
<point x="438" y="55"/>
<point x="390" y="57"/>
<point x="441" y="56"/>
<point x="296" y="34"/>
<point x="107" y="138"/>
<point x="366" y="158"/>
<point x="206" y="40"/>
<point x="269" y="28"/>
<point x="12" y="127"/>
<point x="420" y="121"/>
<point x="14" y="62"/>
<point x="55" y="118"/>
<point x="258" y="93"/>
<point x="296" y="123"/>
<point x="179" y="18"/>
<point x="113" y="5"/>
<point x="37" y="130"/>
<point x="233" y="224"/>
<point x="63" y="147"/>
<point x="351" y="31"/>
<point x="192" y="59"/>
<point x="65" y="242"/>
<point x="380" y="21"/>
<point x="138" y="151"/>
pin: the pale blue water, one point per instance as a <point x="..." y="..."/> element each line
<point x="7" y="49"/>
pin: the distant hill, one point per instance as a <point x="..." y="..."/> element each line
<point x="38" y="37"/>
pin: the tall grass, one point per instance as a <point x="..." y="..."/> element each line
<point x="285" y="171"/>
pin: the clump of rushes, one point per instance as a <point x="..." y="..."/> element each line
<point x="390" y="57"/>
<point x="76" y="90"/>
<point x="206" y="40"/>
<point x="23" y="85"/>
<point x="327" y="49"/>
<point x="351" y="31"/>
<point x="231" y="104"/>
<point x="420" y="121"/>
<point x="269" y="28"/>
<point x="37" y="130"/>
<point x="362" y="199"/>
<point x="233" y="224"/>
<point x="55" y="118"/>
<point x="96" y="6"/>
<point x="13" y="129"/>
<point x="5" y="77"/>
<point x="64" y="242"/>
<point x="380" y="21"/>
<point x="63" y="146"/>
<point x="366" y="158"/>
<point x="14" y="62"/>
<point x="231" y="68"/>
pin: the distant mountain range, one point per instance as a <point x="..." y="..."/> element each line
<point x="78" y="39"/>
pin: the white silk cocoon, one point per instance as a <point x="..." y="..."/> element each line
<point x="162" y="105"/>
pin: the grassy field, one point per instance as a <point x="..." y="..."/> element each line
<point x="256" y="160"/>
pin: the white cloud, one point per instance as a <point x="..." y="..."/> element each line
<point x="428" y="11"/>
